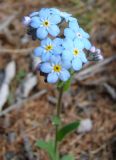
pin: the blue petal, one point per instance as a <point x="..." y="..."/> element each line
<point x="58" y="41"/>
<point x="46" y="41"/>
<point x="46" y="67"/>
<point x="72" y="19"/>
<point x="68" y="43"/>
<point x="83" y="57"/>
<point x="38" y="51"/>
<point x="54" y="30"/>
<point x="64" y="75"/>
<point x="52" y="78"/>
<point x="79" y="43"/>
<point x="67" y="19"/>
<point x="65" y="15"/>
<point x="57" y="45"/>
<point x="69" y="33"/>
<point x="44" y="13"/>
<point x="57" y="50"/>
<point x="77" y="64"/>
<point x="55" y="60"/>
<point x="35" y="22"/>
<point x="66" y="64"/>
<point x="74" y="25"/>
<point x="85" y="34"/>
<point x="54" y="11"/>
<point x="33" y="14"/>
<point x="87" y="44"/>
<point x="49" y="41"/>
<point x="46" y="56"/>
<point x="54" y="19"/>
<point x="67" y="55"/>
<point x="41" y="33"/>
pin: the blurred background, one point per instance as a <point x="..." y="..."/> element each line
<point x="27" y="102"/>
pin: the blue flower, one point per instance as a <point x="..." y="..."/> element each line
<point x="74" y="52"/>
<point x="54" y="11"/>
<point x="54" y="57"/>
<point x="56" y="70"/>
<point x="50" y="11"/>
<point x="45" y="23"/>
<point x="78" y="34"/>
<point x="68" y="17"/>
<point x="64" y="15"/>
<point x="49" y="48"/>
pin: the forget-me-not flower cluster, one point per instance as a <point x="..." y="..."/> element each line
<point x="61" y="50"/>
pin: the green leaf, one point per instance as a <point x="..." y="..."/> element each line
<point x="48" y="147"/>
<point x="68" y="157"/>
<point x="67" y="85"/>
<point x="56" y="120"/>
<point x="66" y="130"/>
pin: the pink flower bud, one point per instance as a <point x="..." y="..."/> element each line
<point x="26" y="20"/>
<point x="92" y="49"/>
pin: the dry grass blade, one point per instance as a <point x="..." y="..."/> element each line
<point x="16" y="51"/>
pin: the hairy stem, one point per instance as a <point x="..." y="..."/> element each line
<point x="58" y="107"/>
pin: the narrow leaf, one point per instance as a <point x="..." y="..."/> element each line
<point x="47" y="146"/>
<point x="66" y="130"/>
<point x="67" y="85"/>
<point x="68" y="157"/>
<point x="42" y="144"/>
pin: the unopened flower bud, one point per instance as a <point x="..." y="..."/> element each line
<point x="92" y="49"/>
<point x="26" y="20"/>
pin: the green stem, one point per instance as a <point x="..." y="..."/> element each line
<point x="58" y="107"/>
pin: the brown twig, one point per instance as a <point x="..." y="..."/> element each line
<point x="92" y="70"/>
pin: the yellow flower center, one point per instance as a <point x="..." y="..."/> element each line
<point x="57" y="68"/>
<point x="46" y="23"/>
<point x="48" y="48"/>
<point x="76" y="52"/>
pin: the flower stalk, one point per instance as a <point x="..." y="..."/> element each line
<point x="58" y="111"/>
